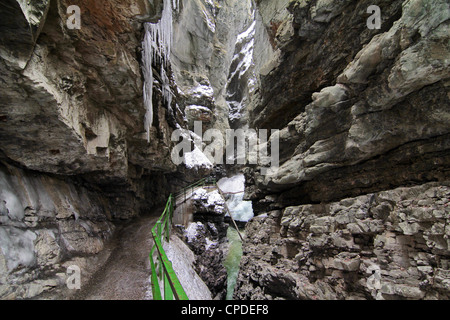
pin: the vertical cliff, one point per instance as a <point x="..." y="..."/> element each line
<point x="86" y="119"/>
<point x="358" y="208"/>
<point x="73" y="147"/>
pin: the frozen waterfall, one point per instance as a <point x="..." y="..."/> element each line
<point x="157" y="48"/>
<point x="241" y="210"/>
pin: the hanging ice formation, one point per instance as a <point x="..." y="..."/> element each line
<point x="156" y="48"/>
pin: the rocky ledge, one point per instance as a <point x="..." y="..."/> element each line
<point x="360" y="112"/>
<point x="392" y="244"/>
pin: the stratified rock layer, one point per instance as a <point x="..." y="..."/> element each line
<point x="360" y="112"/>
<point x="73" y="150"/>
<point x="44" y="222"/>
<point x="392" y="244"/>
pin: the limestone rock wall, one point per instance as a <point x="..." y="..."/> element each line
<point x="44" y="223"/>
<point x="75" y="105"/>
<point x="392" y="244"/>
<point x="369" y="98"/>
<point x="74" y="154"/>
<point x="205" y="235"/>
<point x="72" y="100"/>
<point x="205" y="36"/>
<point x="361" y="112"/>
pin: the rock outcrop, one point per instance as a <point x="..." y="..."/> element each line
<point x="73" y="105"/>
<point x="206" y="237"/>
<point x="387" y="245"/>
<point x="368" y="101"/>
<point x="73" y="114"/>
<point x="73" y="148"/>
<point x="360" y="112"/>
<point x="205" y="36"/>
<point x="45" y="222"/>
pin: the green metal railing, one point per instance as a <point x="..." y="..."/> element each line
<point x="161" y="269"/>
<point x="200" y="183"/>
<point x="171" y="284"/>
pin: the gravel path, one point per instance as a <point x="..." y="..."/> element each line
<point x="125" y="275"/>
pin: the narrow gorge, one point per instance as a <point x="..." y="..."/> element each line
<point x="321" y="130"/>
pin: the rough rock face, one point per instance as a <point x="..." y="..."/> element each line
<point x="74" y="105"/>
<point x="374" y="101"/>
<point x="205" y="35"/>
<point x="206" y="237"/>
<point x="44" y="221"/>
<point x="392" y="244"/>
<point x="72" y="112"/>
<point x="360" y="112"/>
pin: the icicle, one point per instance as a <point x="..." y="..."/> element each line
<point x="157" y="46"/>
<point x="148" y="83"/>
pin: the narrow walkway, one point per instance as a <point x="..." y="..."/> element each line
<point x="125" y="275"/>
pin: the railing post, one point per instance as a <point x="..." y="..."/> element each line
<point x="158" y="228"/>
<point x="156" y="291"/>
<point x="168" y="294"/>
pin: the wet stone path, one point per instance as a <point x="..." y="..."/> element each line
<point x="126" y="273"/>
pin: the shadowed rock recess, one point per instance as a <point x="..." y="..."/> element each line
<point x="359" y="207"/>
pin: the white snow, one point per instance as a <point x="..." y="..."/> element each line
<point x="210" y="199"/>
<point x="209" y="22"/>
<point x="246" y="54"/>
<point x="234" y="184"/>
<point x="244" y="61"/>
<point x="194" y="107"/>
<point x="245" y="57"/>
<point x="210" y="2"/>
<point x="191" y="231"/>
<point x="200" y="91"/>
<point x="209" y="243"/>
<point x="249" y="33"/>
<point x="200" y="193"/>
<point x="196" y="158"/>
<point x="235" y="109"/>
<point x="214" y="198"/>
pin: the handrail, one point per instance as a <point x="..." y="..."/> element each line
<point x="201" y="182"/>
<point x="161" y="232"/>
<point x="172" y="285"/>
